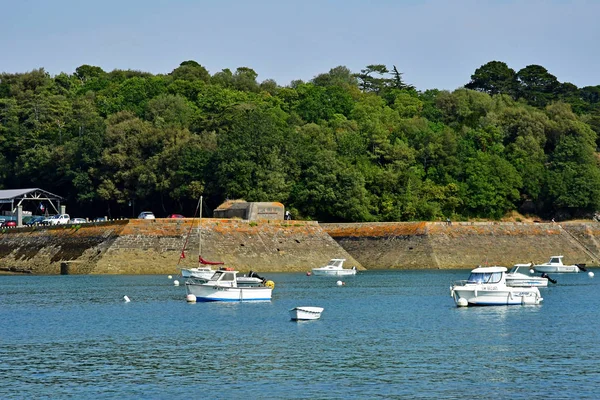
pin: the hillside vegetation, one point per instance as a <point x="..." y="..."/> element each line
<point x="345" y="146"/>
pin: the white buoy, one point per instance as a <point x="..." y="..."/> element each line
<point x="339" y="283"/>
<point x="126" y="299"/>
<point x="462" y="302"/>
<point x="190" y="298"/>
<point x="176" y="282"/>
<point x="531" y="271"/>
<point x="170" y="277"/>
<point x="591" y="274"/>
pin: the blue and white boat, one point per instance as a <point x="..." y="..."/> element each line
<point x="224" y="286"/>
<point x="487" y="286"/>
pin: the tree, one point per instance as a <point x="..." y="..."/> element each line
<point x="537" y="85"/>
<point x="491" y="186"/>
<point x="257" y="172"/>
<point x="369" y="83"/>
<point x="191" y="71"/>
<point x="493" y="78"/>
<point x="338" y="76"/>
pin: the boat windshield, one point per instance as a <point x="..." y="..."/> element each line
<point x="484" y="277"/>
<point x="555" y="260"/>
<point x="335" y="263"/>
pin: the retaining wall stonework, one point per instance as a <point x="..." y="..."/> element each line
<point x="155" y="246"/>
<point x="416" y="245"/>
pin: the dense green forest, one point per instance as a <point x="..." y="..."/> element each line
<point x="345" y="146"/>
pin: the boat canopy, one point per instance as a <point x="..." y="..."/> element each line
<point x="490" y="269"/>
<point x="555" y="260"/>
<point x="485" y="277"/>
<point x="336" y="262"/>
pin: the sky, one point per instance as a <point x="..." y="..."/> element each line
<point x="436" y="44"/>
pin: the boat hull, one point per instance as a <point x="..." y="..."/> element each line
<point x="333" y="272"/>
<point x="211" y="292"/>
<point x="493" y="297"/>
<point x="527" y="282"/>
<point x="556" y="269"/>
<point x="305" y="313"/>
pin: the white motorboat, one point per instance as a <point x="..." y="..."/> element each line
<point x="515" y="278"/>
<point x="223" y="286"/>
<point x="486" y="286"/>
<point x="556" y="265"/>
<point x="305" y="313"/>
<point x="335" y="267"/>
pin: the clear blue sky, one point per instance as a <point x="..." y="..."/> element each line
<point x="435" y="43"/>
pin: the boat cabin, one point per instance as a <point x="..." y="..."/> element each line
<point x="224" y="277"/>
<point x="487" y="275"/>
<point x="336" y="262"/>
<point x="556" y="260"/>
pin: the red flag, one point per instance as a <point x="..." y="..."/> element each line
<point x="182" y="254"/>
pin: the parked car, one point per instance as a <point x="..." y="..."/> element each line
<point x="101" y="219"/>
<point x="146" y="215"/>
<point x="57" y="219"/>
<point x="8" y="223"/>
<point x="175" y="216"/>
<point x="78" y="221"/>
<point x="35" y="220"/>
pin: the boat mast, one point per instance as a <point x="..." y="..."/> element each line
<point x="200" y="231"/>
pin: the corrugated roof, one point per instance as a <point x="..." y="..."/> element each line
<point x="31" y="193"/>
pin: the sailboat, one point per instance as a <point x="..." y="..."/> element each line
<point x="204" y="270"/>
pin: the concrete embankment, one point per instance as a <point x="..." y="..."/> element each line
<point x="155" y="246"/>
<point x="416" y="245"/>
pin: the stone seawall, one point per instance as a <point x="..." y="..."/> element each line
<point x="416" y="245"/>
<point x="154" y="246"/>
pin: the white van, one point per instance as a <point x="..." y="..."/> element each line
<point x="57" y="219"/>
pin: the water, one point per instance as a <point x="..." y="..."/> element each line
<point x="383" y="335"/>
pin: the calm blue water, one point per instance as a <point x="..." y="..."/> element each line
<point x="384" y="335"/>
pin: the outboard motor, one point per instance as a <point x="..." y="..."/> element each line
<point x="581" y="267"/>
<point x="545" y="275"/>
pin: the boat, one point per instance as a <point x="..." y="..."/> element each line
<point x="487" y="286"/>
<point x="556" y="265"/>
<point x="223" y="286"/>
<point x="515" y="278"/>
<point x="305" y="313"/>
<point x="252" y="279"/>
<point x="204" y="270"/>
<point x="335" y="267"/>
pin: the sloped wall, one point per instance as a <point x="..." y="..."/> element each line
<point x="413" y="245"/>
<point x="154" y="246"/>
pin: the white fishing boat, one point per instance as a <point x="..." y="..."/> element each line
<point x="335" y="267"/>
<point x="223" y="286"/>
<point x="515" y="278"/>
<point x="487" y="286"/>
<point x="204" y="270"/>
<point x="305" y="313"/>
<point x="556" y="265"/>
